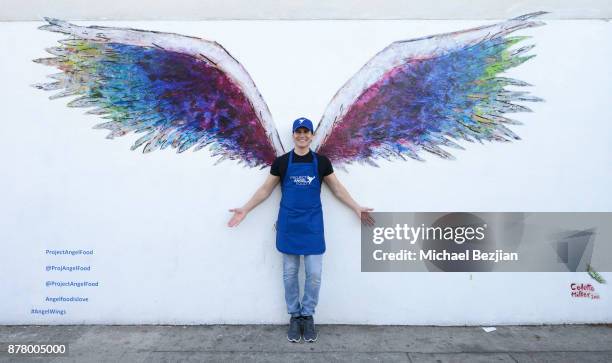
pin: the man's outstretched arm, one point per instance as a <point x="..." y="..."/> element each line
<point x="341" y="193"/>
<point x="262" y="193"/>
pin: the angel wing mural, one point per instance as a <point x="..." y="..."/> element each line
<point x="177" y="90"/>
<point x="414" y="96"/>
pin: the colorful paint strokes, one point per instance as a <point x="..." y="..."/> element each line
<point x="415" y="95"/>
<point x="173" y="97"/>
<point x="426" y="92"/>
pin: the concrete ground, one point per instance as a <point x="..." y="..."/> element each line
<point x="150" y="343"/>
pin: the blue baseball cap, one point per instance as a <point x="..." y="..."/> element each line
<point x="303" y="122"/>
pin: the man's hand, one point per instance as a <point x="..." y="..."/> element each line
<point x="364" y="214"/>
<point x="239" y="214"/>
<point x="260" y="195"/>
<point x="341" y="193"/>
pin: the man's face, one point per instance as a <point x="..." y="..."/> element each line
<point x="302" y="137"/>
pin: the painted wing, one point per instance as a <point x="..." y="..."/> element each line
<point x="417" y="94"/>
<point x="177" y="90"/>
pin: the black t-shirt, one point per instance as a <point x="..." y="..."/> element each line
<point x="280" y="164"/>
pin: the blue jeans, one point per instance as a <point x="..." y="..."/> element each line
<point x="312" y="282"/>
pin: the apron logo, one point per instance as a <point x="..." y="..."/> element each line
<point x="302" y="179"/>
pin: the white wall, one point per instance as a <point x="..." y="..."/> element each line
<point x="300" y="9"/>
<point x="157" y="221"/>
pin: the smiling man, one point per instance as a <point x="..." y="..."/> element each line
<point x="299" y="227"/>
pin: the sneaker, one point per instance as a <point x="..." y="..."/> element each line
<point x="310" y="333"/>
<point x="295" y="329"/>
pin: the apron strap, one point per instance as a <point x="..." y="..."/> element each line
<point x="315" y="163"/>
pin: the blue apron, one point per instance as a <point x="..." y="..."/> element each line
<point x="299" y="228"/>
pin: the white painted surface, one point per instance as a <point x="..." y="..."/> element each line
<point x="301" y="9"/>
<point x="157" y="221"/>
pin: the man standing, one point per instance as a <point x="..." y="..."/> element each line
<point x="299" y="228"/>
